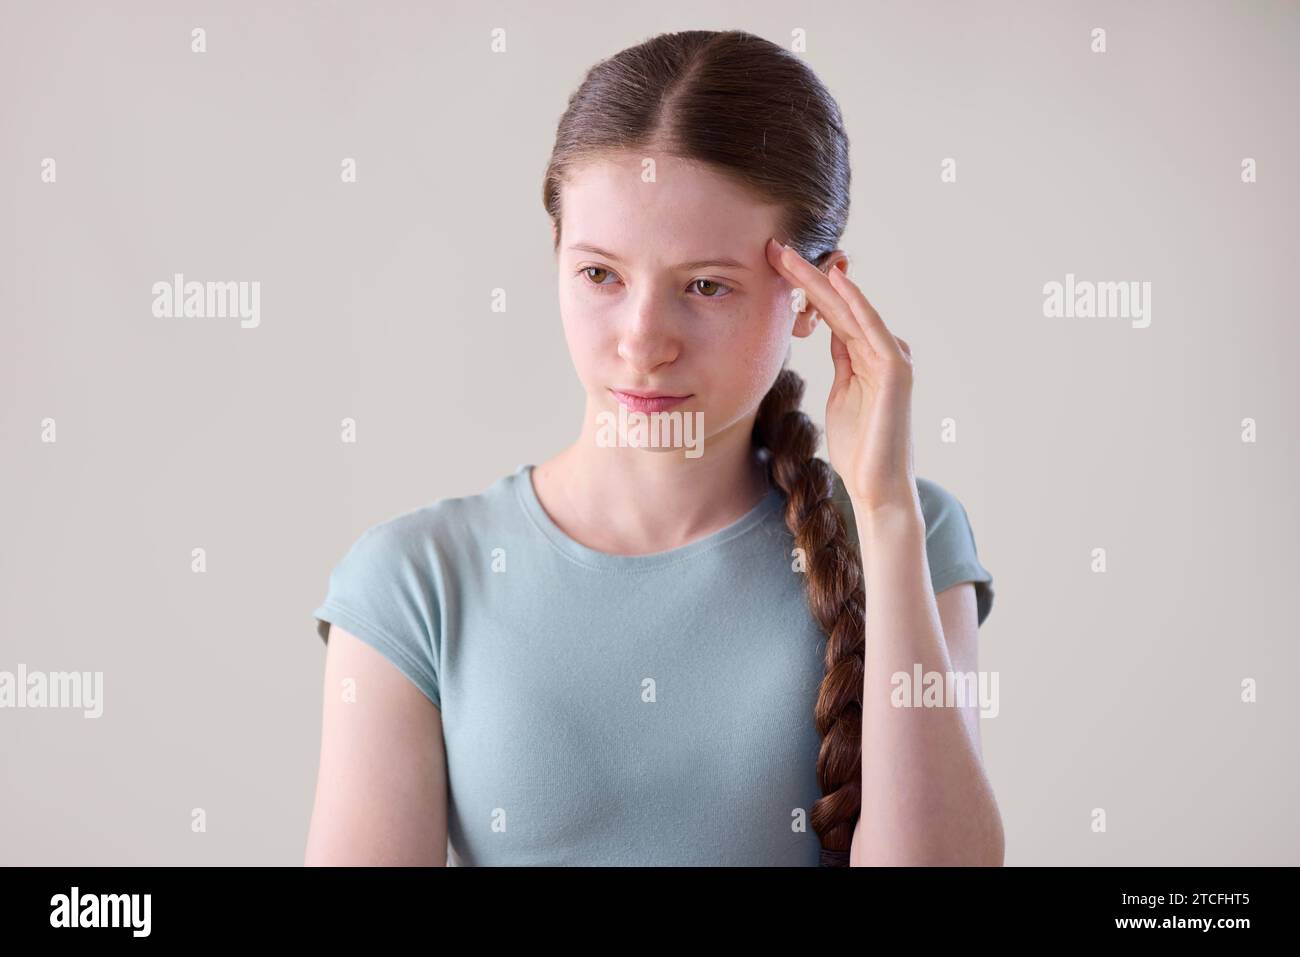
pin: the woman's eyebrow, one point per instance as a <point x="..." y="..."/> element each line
<point x="696" y="264"/>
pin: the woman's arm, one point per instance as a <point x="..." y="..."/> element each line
<point x="926" y="799"/>
<point x="925" y="796"/>
<point x="381" y="793"/>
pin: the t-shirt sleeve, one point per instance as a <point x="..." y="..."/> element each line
<point x="949" y="541"/>
<point x="382" y="591"/>
<point x="950" y="546"/>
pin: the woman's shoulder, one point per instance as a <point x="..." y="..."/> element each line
<point x="392" y="573"/>
<point x="415" y="533"/>
<point x="939" y="505"/>
<point x="950" y="545"/>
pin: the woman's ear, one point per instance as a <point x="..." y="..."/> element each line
<point x="806" y="322"/>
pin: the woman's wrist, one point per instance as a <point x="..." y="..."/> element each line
<point x="889" y="519"/>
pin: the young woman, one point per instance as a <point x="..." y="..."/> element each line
<point x="637" y="655"/>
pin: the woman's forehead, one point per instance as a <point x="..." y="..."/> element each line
<point x="683" y="216"/>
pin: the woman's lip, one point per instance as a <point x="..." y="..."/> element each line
<point x="643" y="403"/>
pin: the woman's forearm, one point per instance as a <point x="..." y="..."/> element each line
<point x="926" y="799"/>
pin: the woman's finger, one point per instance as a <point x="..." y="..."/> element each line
<point x="804" y="275"/>
<point x="842" y="360"/>
<point x="881" y="339"/>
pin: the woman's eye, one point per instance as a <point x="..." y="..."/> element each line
<point x="706" y="288"/>
<point x="709" y="282"/>
<point x="589" y="269"/>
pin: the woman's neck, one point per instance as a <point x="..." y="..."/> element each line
<point x="637" y="501"/>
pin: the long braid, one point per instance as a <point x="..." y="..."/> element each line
<point x="836" y="599"/>
<point x="755" y="112"/>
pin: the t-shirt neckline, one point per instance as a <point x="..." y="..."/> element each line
<point x="575" y="550"/>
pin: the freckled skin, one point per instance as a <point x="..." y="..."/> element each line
<point x="718" y="332"/>
<point x="644" y="313"/>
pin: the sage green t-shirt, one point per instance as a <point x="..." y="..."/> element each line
<point x="604" y="709"/>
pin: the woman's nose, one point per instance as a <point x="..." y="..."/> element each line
<point x="649" y="339"/>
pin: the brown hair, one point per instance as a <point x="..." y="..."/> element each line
<point x="757" y="113"/>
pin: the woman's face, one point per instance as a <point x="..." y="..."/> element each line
<point x="648" y="304"/>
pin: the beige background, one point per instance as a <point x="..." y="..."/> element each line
<point x="1118" y="691"/>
